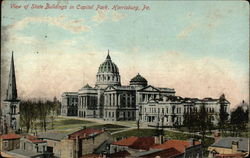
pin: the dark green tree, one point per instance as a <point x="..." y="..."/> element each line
<point x="189" y="119"/>
<point x="238" y="120"/>
<point x="203" y="122"/>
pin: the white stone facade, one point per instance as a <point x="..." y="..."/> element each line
<point x="111" y="101"/>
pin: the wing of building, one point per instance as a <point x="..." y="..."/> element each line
<point x="111" y="101"/>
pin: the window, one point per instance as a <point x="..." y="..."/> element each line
<point x="5" y="144"/>
<point x="212" y="118"/>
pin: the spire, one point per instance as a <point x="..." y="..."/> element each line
<point x="12" y="91"/>
<point x="108" y="57"/>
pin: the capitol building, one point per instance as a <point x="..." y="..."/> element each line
<point x="111" y="101"/>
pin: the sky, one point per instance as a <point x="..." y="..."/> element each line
<point x="199" y="48"/>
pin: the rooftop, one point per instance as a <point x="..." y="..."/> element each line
<point x="179" y="145"/>
<point x="21" y="153"/>
<point x="166" y="153"/>
<point x="137" y="142"/>
<point x="85" y="133"/>
<point x="34" y="139"/>
<point x="69" y="93"/>
<point x="10" y="136"/>
<point x="226" y="142"/>
<point x="53" y="136"/>
<point x="120" y="154"/>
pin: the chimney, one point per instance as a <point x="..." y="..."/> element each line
<point x="158" y="139"/>
<point x="235" y="145"/>
<point x="192" y="141"/>
<point x="77" y="146"/>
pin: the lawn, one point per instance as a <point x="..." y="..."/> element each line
<point x="135" y="132"/>
<point x="65" y="125"/>
<point x="70" y="122"/>
<point x="107" y="126"/>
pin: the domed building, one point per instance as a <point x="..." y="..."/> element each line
<point x="111" y="101"/>
<point x="108" y="74"/>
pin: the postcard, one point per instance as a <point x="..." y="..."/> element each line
<point x="124" y="78"/>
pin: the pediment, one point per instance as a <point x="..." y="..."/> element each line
<point x="150" y="88"/>
<point x="110" y="88"/>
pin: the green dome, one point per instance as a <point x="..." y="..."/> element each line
<point x="108" y="66"/>
<point x="138" y="80"/>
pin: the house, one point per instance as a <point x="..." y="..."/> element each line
<point x="150" y="147"/>
<point x="53" y="142"/>
<point x="77" y="144"/>
<point x="230" y="147"/>
<point x="9" y="142"/>
<point x="132" y="144"/>
<point x="30" y="147"/>
<point x="186" y="149"/>
<point x="87" y="140"/>
<point x="159" y="153"/>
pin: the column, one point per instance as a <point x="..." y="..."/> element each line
<point x="105" y="99"/>
<point x="126" y="99"/>
<point x="112" y="96"/>
<point x="119" y="99"/>
<point x="131" y="99"/>
<point x="115" y="99"/>
<point x="86" y="101"/>
<point x="108" y="99"/>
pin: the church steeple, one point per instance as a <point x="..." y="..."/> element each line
<point x="12" y="91"/>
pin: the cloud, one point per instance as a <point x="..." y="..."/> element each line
<point x="187" y="30"/>
<point x="74" y="26"/>
<point x="116" y="16"/>
<point x="102" y="16"/>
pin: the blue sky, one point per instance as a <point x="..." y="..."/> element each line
<point x="189" y="32"/>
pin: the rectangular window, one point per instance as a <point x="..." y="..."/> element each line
<point x="5" y="144"/>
